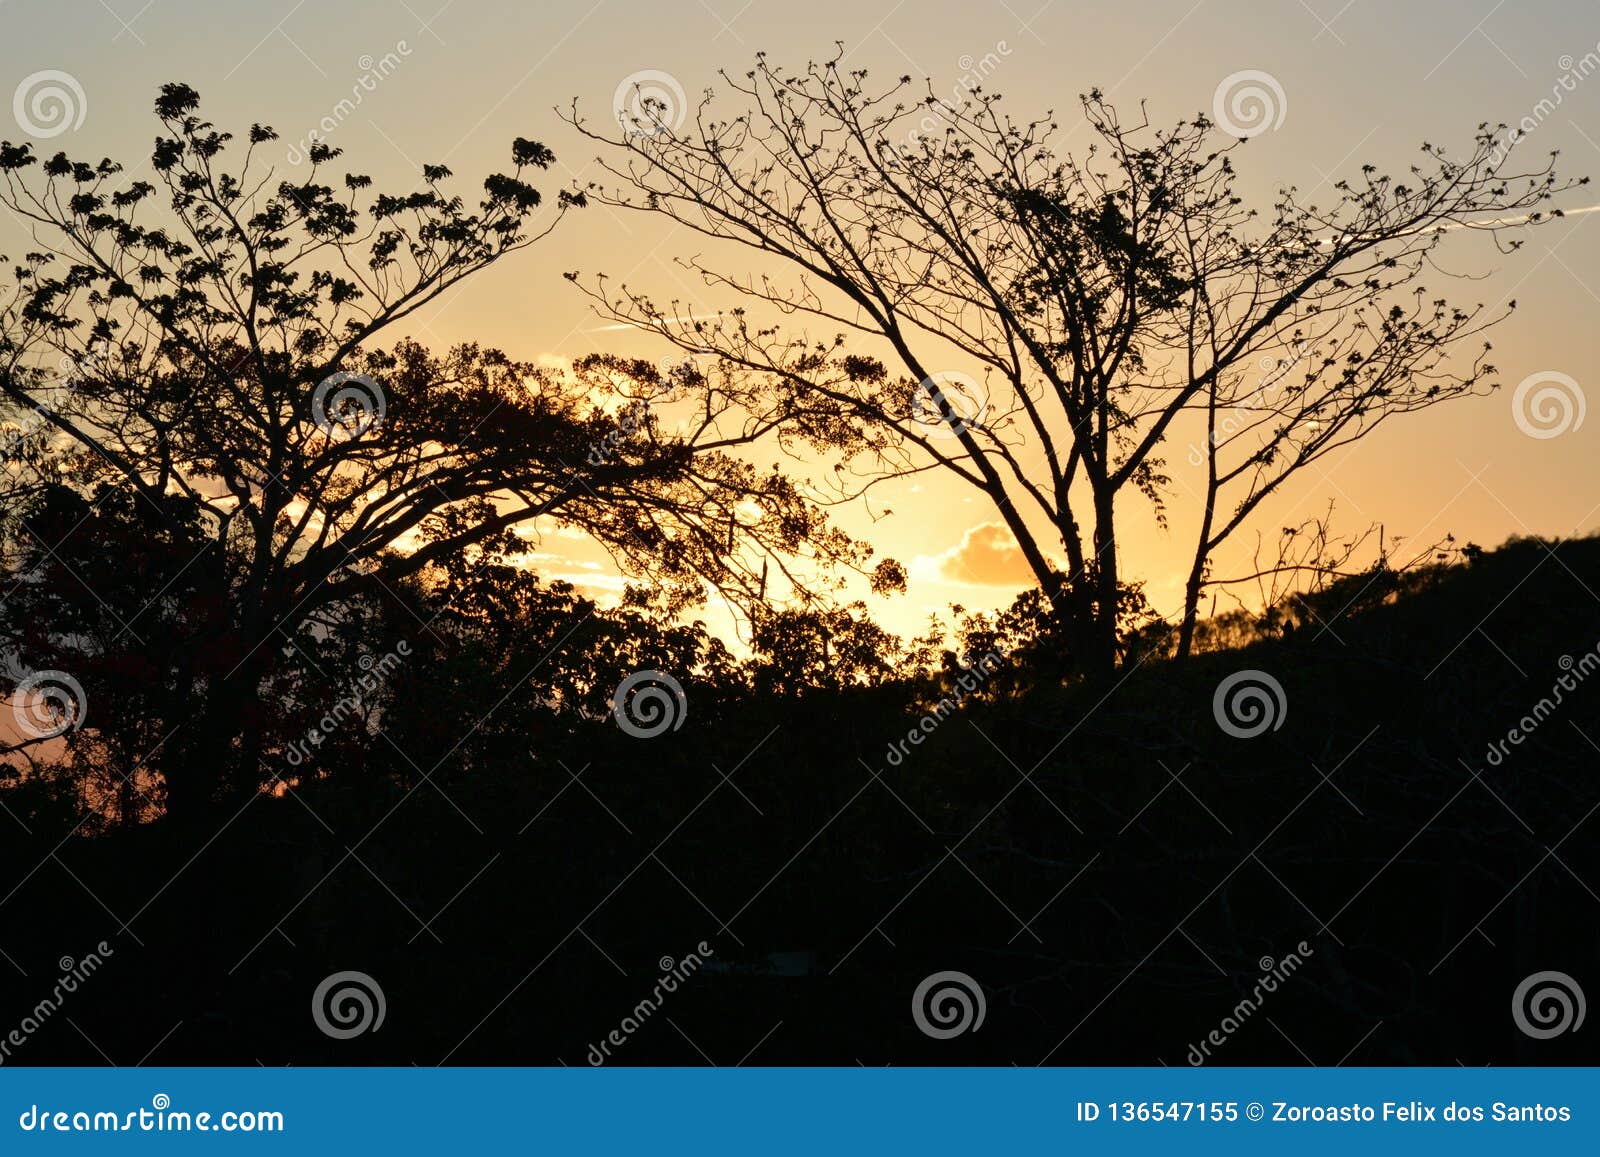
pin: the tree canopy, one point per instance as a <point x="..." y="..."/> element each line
<point x="1044" y="321"/>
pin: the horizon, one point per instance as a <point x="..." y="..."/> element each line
<point x="455" y="85"/>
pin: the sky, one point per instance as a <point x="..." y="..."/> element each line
<point x="1355" y="81"/>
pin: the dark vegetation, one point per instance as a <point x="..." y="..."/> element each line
<point x="327" y="716"/>
<point x="1412" y="841"/>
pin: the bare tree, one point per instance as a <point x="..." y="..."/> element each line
<point x="1110" y="298"/>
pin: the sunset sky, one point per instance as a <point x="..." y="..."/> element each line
<point x="1362" y="82"/>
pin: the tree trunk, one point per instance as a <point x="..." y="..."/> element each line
<point x="1102" y="657"/>
<point x="203" y="763"/>
<point x="1191" y="611"/>
<point x="1203" y="544"/>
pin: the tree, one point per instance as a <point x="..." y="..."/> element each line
<point x="219" y="335"/>
<point x="1110" y="297"/>
<point x="802" y="651"/>
<point x="115" y="598"/>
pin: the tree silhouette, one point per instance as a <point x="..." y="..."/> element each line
<point x="1112" y="297"/>
<point x="209" y="341"/>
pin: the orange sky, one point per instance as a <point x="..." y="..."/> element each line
<point x="1361" y="82"/>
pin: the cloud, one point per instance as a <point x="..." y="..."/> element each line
<point x="545" y="556"/>
<point x="987" y="555"/>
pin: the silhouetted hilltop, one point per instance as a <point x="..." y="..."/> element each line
<point x="1112" y="865"/>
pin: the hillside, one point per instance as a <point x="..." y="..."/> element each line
<point x="1114" y="869"/>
